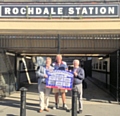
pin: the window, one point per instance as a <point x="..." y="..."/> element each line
<point x="100" y="65"/>
<point x="104" y="65"/>
<point x="96" y="65"/>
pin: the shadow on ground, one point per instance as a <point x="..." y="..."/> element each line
<point x="11" y="115"/>
<point x="29" y="106"/>
<point x="95" y="93"/>
<point x="92" y="92"/>
<point x="50" y="115"/>
<point x="16" y="104"/>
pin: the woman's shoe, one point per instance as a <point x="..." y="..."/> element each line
<point x="47" y="110"/>
<point x="40" y="111"/>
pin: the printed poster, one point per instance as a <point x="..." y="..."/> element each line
<point x="59" y="79"/>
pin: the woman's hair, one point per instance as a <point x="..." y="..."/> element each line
<point x="49" y="58"/>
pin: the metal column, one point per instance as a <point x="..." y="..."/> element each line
<point x="118" y="99"/>
<point x="58" y="44"/>
<point x="106" y="74"/>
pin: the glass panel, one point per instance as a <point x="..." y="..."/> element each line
<point x="7" y="78"/>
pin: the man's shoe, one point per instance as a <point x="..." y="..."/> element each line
<point x="68" y="110"/>
<point x="65" y="107"/>
<point x="47" y="110"/>
<point x="56" y="107"/>
<point x="79" y="111"/>
<point x="40" y="111"/>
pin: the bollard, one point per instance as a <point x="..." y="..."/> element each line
<point x="23" y="101"/>
<point x="74" y="102"/>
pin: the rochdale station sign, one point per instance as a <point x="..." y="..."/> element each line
<point x="59" y="10"/>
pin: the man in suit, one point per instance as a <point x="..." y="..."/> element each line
<point x="79" y="76"/>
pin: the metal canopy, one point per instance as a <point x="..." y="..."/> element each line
<point x="65" y="44"/>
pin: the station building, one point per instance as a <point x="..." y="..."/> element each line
<point x="31" y="30"/>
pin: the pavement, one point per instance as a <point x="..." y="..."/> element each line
<point x="96" y="102"/>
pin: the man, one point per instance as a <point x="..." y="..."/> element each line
<point x="78" y="78"/>
<point x="43" y="91"/>
<point x="60" y="65"/>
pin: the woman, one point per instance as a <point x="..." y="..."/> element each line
<point x="43" y="91"/>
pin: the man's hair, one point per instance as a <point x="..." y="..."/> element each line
<point x="59" y="55"/>
<point x="76" y="60"/>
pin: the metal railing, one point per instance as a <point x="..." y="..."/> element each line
<point x="67" y="41"/>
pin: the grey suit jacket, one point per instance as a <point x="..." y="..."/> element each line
<point x="80" y="77"/>
<point x="40" y="73"/>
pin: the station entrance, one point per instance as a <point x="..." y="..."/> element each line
<point x="22" y="40"/>
<point x="18" y="55"/>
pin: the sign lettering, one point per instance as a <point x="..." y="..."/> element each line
<point x="56" y="10"/>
